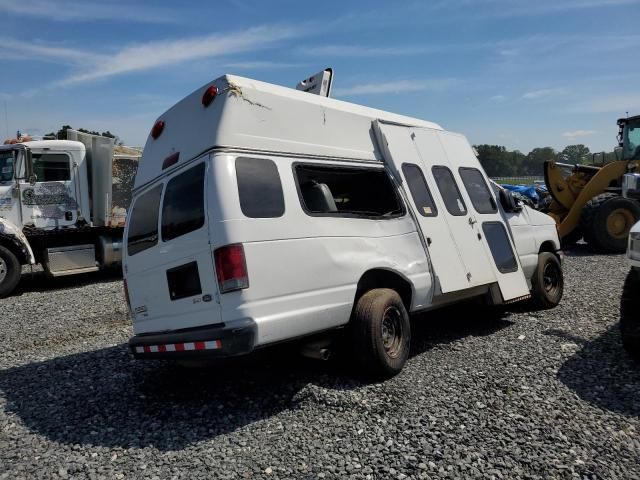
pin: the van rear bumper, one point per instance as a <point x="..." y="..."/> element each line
<point x="220" y="340"/>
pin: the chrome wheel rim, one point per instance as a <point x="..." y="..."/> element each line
<point x="392" y="331"/>
<point x="3" y="270"/>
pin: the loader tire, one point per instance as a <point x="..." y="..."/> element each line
<point x="381" y="333"/>
<point x="629" y="314"/>
<point x="10" y="271"/>
<point x="547" y="282"/>
<point x="606" y="220"/>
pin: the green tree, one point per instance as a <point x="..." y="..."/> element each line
<point x="533" y="162"/>
<point x="62" y="133"/>
<point x="576" y="154"/>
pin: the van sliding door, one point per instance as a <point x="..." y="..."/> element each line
<point x="458" y="258"/>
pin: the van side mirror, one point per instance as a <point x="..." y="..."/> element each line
<point x="509" y="202"/>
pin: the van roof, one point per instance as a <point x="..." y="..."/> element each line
<point x="250" y="115"/>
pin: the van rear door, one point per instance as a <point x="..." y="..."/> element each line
<point x="169" y="265"/>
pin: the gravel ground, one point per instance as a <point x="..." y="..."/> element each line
<point x="520" y="395"/>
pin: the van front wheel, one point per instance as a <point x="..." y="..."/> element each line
<point x="381" y="333"/>
<point x="547" y="281"/>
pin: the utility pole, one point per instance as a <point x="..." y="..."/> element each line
<point x="6" y="119"/>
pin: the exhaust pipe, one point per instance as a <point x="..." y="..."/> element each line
<point x="317" y="351"/>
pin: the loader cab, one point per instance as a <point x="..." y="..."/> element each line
<point x="629" y="137"/>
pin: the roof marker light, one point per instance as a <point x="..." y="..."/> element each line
<point x="209" y="95"/>
<point x="157" y="129"/>
<point x="170" y="160"/>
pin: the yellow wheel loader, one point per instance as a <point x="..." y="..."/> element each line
<point x="589" y="201"/>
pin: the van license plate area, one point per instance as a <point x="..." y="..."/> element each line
<point x="184" y="281"/>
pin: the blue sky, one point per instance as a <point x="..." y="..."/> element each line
<point x="515" y="73"/>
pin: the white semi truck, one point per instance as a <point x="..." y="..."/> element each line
<point x="63" y="204"/>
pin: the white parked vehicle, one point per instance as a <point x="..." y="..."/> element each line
<point x="263" y="214"/>
<point x="630" y="301"/>
<point x="63" y="204"/>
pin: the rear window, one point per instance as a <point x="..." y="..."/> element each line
<point x="419" y="190"/>
<point x="478" y="190"/>
<point x="143" y="226"/>
<point x="259" y="188"/>
<point x="183" y="205"/>
<point x="347" y="191"/>
<point x="449" y="191"/>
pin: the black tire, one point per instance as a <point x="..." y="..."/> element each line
<point x="630" y="314"/>
<point x="547" y="282"/>
<point x="597" y="212"/>
<point x="381" y="354"/>
<point x="10" y="271"/>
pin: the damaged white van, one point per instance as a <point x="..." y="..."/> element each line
<point x="263" y="214"/>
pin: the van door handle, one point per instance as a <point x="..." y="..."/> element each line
<point x="428" y="241"/>
<point x="472" y="221"/>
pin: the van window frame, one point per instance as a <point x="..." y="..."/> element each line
<point x="333" y="166"/>
<point x="134" y="201"/>
<point x="444" y="200"/>
<point x="165" y="186"/>
<point x="492" y="200"/>
<point x="280" y="185"/>
<point x="434" y="213"/>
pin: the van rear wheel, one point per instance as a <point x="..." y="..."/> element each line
<point x="547" y="281"/>
<point x="381" y="333"/>
<point x="10" y="271"/>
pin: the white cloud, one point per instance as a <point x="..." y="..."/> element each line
<point x="545" y="92"/>
<point x="75" y="10"/>
<point x="172" y="52"/>
<point x="394" y="87"/>
<point x="498" y="98"/>
<point x="579" y="133"/>
<point x="17" y="50"/>
<point x="367" y="51"/>
<point x="260" y="65"/>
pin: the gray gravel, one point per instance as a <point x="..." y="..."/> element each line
<point x="521" y="395"/>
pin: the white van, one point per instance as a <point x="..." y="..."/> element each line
<point x="263" y="214"/>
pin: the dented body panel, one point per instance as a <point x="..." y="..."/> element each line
<point x="11" y="235"/>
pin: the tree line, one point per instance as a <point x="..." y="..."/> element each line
<point x="497" y="161"/>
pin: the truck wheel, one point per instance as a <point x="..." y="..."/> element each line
<point x="629" y="318"/>
<point x="547" y="281"/>
<point x="10" y="271"/>
<point x="381" y="333"/>
<point x="606" y="220"/>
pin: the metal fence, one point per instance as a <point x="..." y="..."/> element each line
<point x="521" y="180"/>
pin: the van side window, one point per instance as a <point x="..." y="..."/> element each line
<point x="419" y="190"/>
<point x="347" y="191"/>
<point x="143" y="226"/>
<point x="259" y="187"/>
<point x="51" y="167"/>
<point x="183" y="205"/>
<point x="501" y="250"/>
<point x="449" y="190"/>
<point x="478" y="190"/>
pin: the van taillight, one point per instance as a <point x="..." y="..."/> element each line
<point x="231" y="268"/>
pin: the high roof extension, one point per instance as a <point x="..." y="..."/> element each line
<point x="250" y="115"/>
